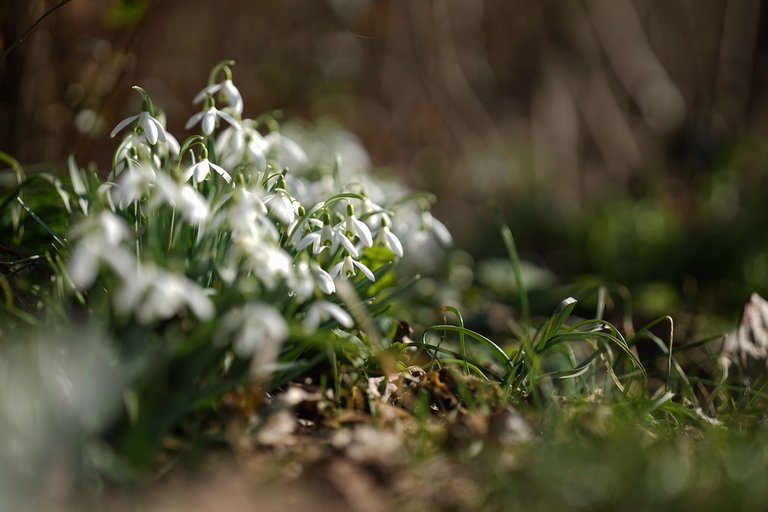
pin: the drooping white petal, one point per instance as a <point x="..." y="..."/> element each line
<point x="351" y="249"/>
<point x="322" y="310"/>
<point x="220" y="170"/>
<point x="208" y="90"/>
<point x="209" y="121"/>
<point x="302" y="282"/>
<point x="336" y="269"/>
<point x="202" y="170"/>
<point x="361" y="230"/>
<point x="194" y="120"/>
<point x="114" y="229"/>
<point x="441" y="232"/>
<point x="193" y="205"/>
<point x="281" y="206"/>
<point x="324" y="280"/>
<point x="309" y="239"/>
<point x="255" y="151"/>
<point x="228" y="118"/>
<point x="122" y="124"/>
<point x="365" y="270"/>
<point x="173" y="144"/>
<point x="290" y="148"/>
<point x="198" y="301"/>
<point x="149" y="127"/>
<point x="129" y="294"/>
<point x="190" y="171"/>
<point x="390" y="241"/>
<point x="233" y="96"/>
<point x="83" y="266"/>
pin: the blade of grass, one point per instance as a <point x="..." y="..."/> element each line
<point x="558" y="318"/>
<point x="509" y="244"/>
<point x="40" y="221"/>
<point x="462" y="340"/>
<point x="472" y="334"/>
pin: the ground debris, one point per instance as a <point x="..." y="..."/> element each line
<point x="746" y="349"/>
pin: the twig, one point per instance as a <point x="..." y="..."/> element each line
<point x="31" y="27"/>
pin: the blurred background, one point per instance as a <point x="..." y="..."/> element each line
<point x="622" y="140"/>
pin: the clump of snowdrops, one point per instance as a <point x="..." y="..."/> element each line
<point x="238" y="254"/>
<point x="238" y="228"/>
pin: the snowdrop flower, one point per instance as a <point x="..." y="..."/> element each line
<point x="189" y="201"/>
<point x="154" y="294"/>
<point x="207" y="119"/>
<point x="235" y="145"/>
<point x="133" y="184"/>
<point x="319" y="240"/>
<point x="437" y="228"/>
<point x="86" y="259"/>
<point x="287" y="151"/>
<point x="388" y="239"/>
<point x="308" y="277"/>
<point x="322" y="311"/>
<point x="152" y="128"/>
<point x="100" y="243"/>
<point x="354" y="226"/>
<point x="228" y="90"/>
<point x="193" y="205"/>
<point x="200" y="171"/>
<point x="282" y="205"/>
<point x="326" y="237"/>
<point x="267" y="261"/>
<point x="113" y="228"/>
<point x="134" y="149"/>
<point x="346" y="269"/>
<point x="302" y="282"/>
<point x="295" y="231"/>
<point x="260" y="330"/>
<point x="173" y="144"/>
<point x="374" y="213"/>
<point x="323" y="279"/>
<point x="248" y="219"/>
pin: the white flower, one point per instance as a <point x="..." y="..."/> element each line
<point x="229" y="91"/>
<point x="326" y="237"/>
<point x="319" y="240"/>
<point x="437" y="228"/>
<point x="113" y="228"/>
<point x="260" y="330"/>
<point x="322" y="311"/>
<point x="346" y="269"/>
<point x="246" y="144"/>
<point x="100" y="242"/>
<point x="134" y="149"/>
<point x="323" y="279"/>
<point x="301" y="282"/>
<point x="193" y="205"/>
<point x="189" y="201"/>
<point x="200" y="171"/>
<point x="287" y="151"/>
<point x="267" y="261"/>
<point x="388" y="239"/>
<point x="84" y="264"/>
<point x="354" y="226"/>
<point x="248" y="220"/>
<point x="152" y="128"/>
<point x="207" y="118"/>
<point x="374" y="213"/>
<point x="133" y="184"/>
<point x="153" y="294"/>
<point x="282" y="205"/>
